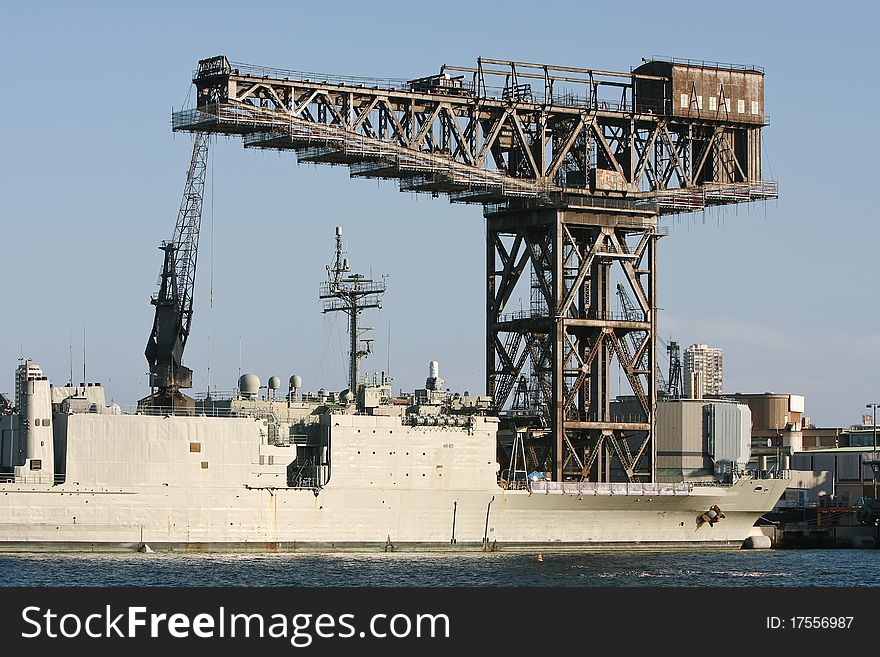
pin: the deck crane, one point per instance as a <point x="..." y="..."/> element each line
<point x="174" y="301"/>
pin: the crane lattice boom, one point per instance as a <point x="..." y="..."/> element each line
<point x="174" y="301"/>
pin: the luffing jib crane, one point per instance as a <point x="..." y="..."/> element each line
<point x="174" y="301"/>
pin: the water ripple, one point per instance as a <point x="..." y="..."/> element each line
<point x="677" y="568"/>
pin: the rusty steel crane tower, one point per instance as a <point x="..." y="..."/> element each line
<point x="573" y="167"/>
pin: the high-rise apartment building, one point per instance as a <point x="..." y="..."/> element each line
<point x="703" y="371"/>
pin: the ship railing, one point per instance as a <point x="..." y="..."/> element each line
<point x="765" y="474"/>
<point x="582" y="488"/>
<point x="622" y="418"/>
<point x="198" y="412"/>
<point x="216" y="395"/>
<point x="10" y="478"/>
<point x="745" y="474"/>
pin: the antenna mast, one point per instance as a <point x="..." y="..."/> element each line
<point x="351" y="294"/>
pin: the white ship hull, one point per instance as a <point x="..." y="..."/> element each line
<point x="288" y="520"/>
<point x="137" y="480"/>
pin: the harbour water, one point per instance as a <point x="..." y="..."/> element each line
<point x="623" y="568"/>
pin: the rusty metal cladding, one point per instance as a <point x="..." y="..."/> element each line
<point x="574" y="167"/>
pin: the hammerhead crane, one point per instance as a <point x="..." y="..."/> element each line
<point x="174" y="301"/>
<point x="574" y="168"/>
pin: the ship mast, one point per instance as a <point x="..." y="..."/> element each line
<point x="351" y="294"/>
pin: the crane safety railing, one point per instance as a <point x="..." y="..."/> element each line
<point x="336" y="145"/>
<point x="463" y="88"/>
<point x="239" y="68"/>
<point x="615" y="316"/>
<point x="702" y="63"/>
<point x="695" y="198"/>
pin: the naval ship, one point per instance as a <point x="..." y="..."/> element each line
<point x="325" y="471"/>
<point x="358" y="469"/>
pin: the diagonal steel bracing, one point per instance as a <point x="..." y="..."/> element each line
<point x="574" y="254"/>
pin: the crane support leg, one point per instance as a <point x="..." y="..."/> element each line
<point x="570" y="339"/>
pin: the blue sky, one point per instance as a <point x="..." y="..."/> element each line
<point x="91" y="177"/>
